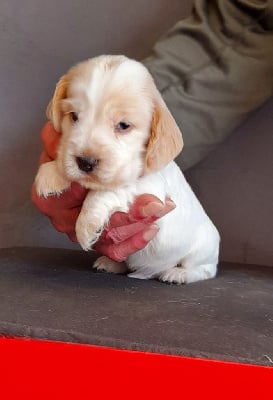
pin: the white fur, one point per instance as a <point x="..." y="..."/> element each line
<point x="186" y="247"/>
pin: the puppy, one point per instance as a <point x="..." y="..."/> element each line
<point x="119" y="140"/>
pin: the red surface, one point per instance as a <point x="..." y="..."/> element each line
<point x="32" y="369"/>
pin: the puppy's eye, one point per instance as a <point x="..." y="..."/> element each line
<point x="74" y="116"/>
<point x="122" y="126"/>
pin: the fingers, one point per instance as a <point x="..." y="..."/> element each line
<point x="44" y="157"/>
<point x="50" y="139"/>
<point x="78" y="193"/>
<point x="124" y="237"/>
<point x="64" y="221"/>
<point x="62" y="210"/>
<point x="69" y="199"/>
<point x="72" y="236"/>
<point x="148" y="205"/>
<point x="121" y="251"/>
<point x="120" y="233"/>
<point x="121" y="226"/>
<point x="144" y="206"/>
<point x="168" y="207"/>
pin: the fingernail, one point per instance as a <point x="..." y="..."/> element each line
<point x="170" y="204"/>
<point x="150" y="232"/>
<point x="152" y="209"/>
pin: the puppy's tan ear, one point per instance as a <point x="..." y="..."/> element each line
<point x="165" y="141"/>
<point x="54" y="110"/>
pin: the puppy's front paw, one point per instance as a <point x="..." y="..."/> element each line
<point x="106" y="264"/>
<point x="49" y="182"/>
<point x="87" y="232"/>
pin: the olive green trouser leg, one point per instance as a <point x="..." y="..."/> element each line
<point x="213" y="69"/>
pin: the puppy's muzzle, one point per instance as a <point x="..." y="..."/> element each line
<point x="86" y="164"/>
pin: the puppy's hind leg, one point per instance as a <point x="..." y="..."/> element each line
<point x="175" y="274"/>
<point x="106" y="264"/>
<point x="180" y="274"/>
<point x="201" y="262"/>
<point x="200" y="272"/>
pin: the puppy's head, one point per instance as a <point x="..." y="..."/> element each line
<point x="115" y="126"/>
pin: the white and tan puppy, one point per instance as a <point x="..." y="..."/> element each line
<point x="119" y="140"/>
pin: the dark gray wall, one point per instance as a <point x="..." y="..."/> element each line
<point x="235" y="185"/>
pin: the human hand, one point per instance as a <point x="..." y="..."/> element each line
<point x="125" y="233"/>
<point x="62" y="210"/>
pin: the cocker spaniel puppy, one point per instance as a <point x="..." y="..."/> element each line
<point x="119" y="140"/>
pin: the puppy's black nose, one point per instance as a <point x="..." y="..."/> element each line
<point x="86" y="164"/>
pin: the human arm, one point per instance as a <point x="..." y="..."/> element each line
<point x="213" y="70"/>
